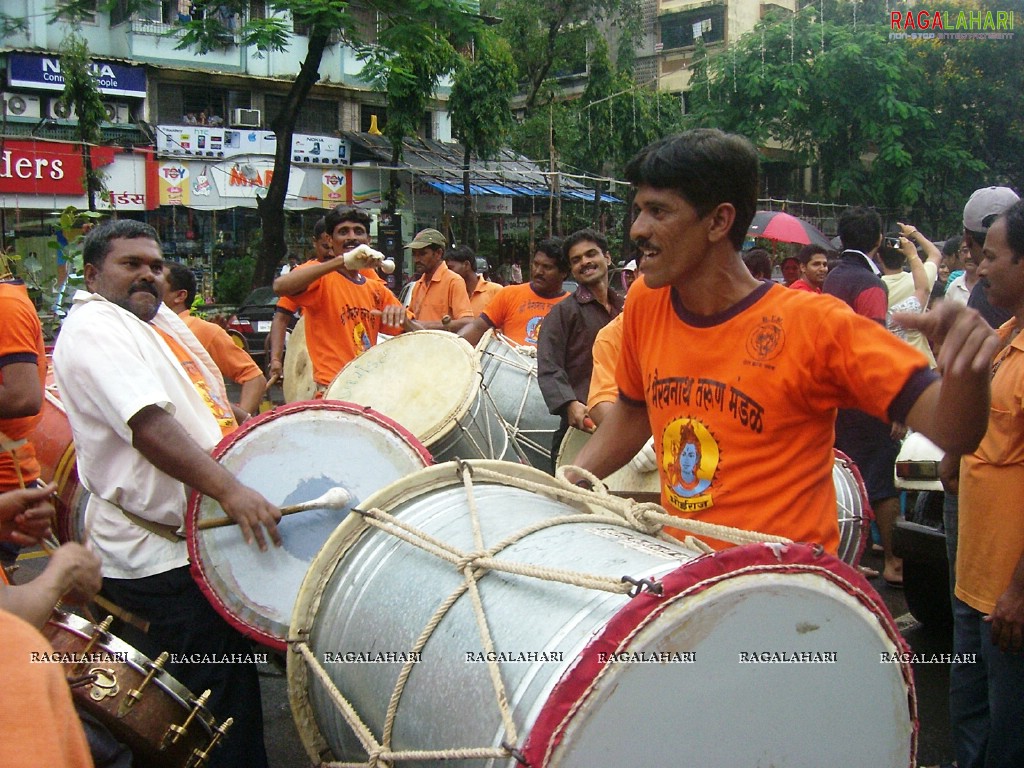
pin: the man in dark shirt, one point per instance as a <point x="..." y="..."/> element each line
<point x="565" y="348"/>
<point x="865" y="439"/>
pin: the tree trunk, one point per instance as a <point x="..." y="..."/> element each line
<point x="467" y="200"/>
<point x="271" y="207"/>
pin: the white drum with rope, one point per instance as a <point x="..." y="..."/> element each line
<point x="487" y="613"/>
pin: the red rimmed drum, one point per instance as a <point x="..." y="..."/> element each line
<point x="55" y="450"/>
<point x="291" y="454"/>
<point x="744" y="657"/>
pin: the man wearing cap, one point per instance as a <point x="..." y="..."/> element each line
<point x="462" y="261"/>
<point x="518" y="311"/>
<point x="983" y="207"/>
<point x="987" y="676"/>
<point x="439" y="297"/>
<point x="981" y="210"/>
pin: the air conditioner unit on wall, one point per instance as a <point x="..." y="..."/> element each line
<point x="246" y="118"/>
<point x="21" y="105"/>
<point x="58" y="112"/>
<point x="116" y="113"/>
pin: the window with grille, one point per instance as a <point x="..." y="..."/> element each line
<point x="681" y="30"/>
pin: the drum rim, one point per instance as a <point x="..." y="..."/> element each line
<point x="449" y="422"/>
<point x="134" y="658"/>
<point x="197" y="566"/>
<point x="560" y="709"/>
<point x="866" y="508"/>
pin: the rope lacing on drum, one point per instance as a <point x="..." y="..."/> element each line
<point x="474" y="565"/>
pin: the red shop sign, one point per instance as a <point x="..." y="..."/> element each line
<point x="46" y="167"/>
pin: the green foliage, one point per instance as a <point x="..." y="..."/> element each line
<point x="81" y="92"/>
<point x="861" y="109"/>
<point x="235" y="280"/>
<point x="481" y="92"/>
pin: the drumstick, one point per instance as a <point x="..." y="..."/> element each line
<point x="335" y="498"/>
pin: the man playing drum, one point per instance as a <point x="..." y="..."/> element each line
<point x="146" y="404"/>
<point x="739" y="380"/>
<point x="344" y="309"/>
<point x="519" y="310"/>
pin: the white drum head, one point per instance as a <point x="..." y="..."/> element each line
<point x="298" y="368"/>
<point x="292" y="454"/>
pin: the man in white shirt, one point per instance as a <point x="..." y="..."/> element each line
<point x="146" y="404"/>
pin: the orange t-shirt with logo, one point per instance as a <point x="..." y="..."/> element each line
<point x="221" y="411"/>
<point x="742" y="405"/>
<point x="21" y="341"/>
<point x="339" y="322"/>
<point x="286" y="304"/>
<point x="518" y="311"/>
<point x="607" y="347"/>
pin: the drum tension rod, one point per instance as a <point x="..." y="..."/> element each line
<point x="98" y="632"/>
<point x="135" y="694"/>
<point x="175" y="732"/>
<point x="199" y="758"/>
<point x="516" y="755"/>
<point x="642" y="585"/>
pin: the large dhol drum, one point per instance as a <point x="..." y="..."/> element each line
<point x="55" y="451"/>
<point x="529" y="624"/>
<point x="298" y="368"/>
<point x="510" y="381"/>
<point x="429" y="382"/>
<point x="163" y="723"/>
<point x="853" y="508"/>
<point x="292" y="454"/>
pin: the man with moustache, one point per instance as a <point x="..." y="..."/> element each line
<point x="986" y="705"/>
<point x="751" y="373"/>
<point x="344" y="309"/>
<point x="565" y="348"/>
<point x="146" y="404"/>
<point x="518" y="311"/>
<point x="440" y="301"/>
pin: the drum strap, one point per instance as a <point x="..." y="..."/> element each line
<point x="168" y="532"/>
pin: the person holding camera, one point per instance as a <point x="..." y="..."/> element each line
<point x="909" y="291"/>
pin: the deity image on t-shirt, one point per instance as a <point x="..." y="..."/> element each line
<point x="533" y="330"/>
<point x="361" y="337"/>
<point x="689" y="461"/>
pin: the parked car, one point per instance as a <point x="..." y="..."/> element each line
<point x="252" y="320"/>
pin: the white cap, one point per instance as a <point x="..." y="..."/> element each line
<point x="985" y="204"/>
<point x="631" y="267"/>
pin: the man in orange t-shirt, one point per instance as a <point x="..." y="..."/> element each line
<point x="344" y="309"/>
<point x="233" y="361"/>
<point x="462" y="261"/>
<point x="22" y="380"/>
<point x="519" y="310"/>
<point x="439" y="298"/>
<point x="739" y="381"/>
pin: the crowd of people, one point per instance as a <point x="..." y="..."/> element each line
<point x="733" y="387"/>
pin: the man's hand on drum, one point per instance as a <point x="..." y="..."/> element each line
<point x="254" y="514"/>
<point x="76" y="572"/>
<point x="576" y="413"/>
<point x="394" y="316"/>
<point x="25" y="515"/>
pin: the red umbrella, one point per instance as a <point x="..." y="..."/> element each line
<point x="776" y="225"/>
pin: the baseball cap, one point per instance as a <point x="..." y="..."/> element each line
<point x="631" y="266"/>
<point x="984" y="205"/>
<point x="427" y="237"/>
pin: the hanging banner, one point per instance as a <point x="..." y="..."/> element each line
<point x="173" y="179"/>
<point x="337" y="188"/>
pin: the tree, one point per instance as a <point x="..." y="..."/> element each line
<point x="551" y="37"/>
<point x="400" y="24"/>
<point x="481" y="117"/>
<point x="842" y="99"/>
<point x="82" y="94"/>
